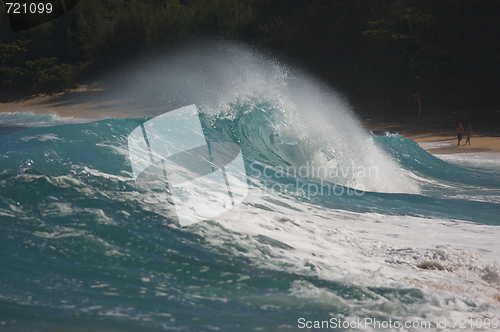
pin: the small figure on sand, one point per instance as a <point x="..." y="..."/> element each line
<point x="468" y="133"/>
<point x="460" y="131"/>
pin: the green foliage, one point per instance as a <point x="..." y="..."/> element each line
<point x="376" y="50"/>
<point x="12" y="52"/>
<point x="46" y="74"/>
<point x="12" y="73"/>
<point x="227" y="18"/>
<point x="39" y="75"/>
<point x="114" y="33"/>
<point x="441" y="49"/>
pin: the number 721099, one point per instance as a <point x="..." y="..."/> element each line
<point x="28" y="8"/>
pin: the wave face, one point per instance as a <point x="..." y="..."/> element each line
<point x="83" y="246"/>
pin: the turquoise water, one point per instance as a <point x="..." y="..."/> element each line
<point x="82" y="249"/>
<point x="339" y="225"/>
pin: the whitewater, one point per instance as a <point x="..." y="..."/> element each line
<point x="339" y="225"/>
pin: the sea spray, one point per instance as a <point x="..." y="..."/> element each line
<point x="292" y="118"/>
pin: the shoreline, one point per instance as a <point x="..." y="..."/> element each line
<point x="448" y="145"/>
<point x="82" y="103"/>
<point x="95" y="104"/>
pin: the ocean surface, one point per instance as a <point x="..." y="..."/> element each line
<point x="339" y="225"/>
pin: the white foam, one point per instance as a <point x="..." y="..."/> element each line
<point x="436" y="145"/>
<point x="329" y="138"/>
<point x="32" y="119"/>
<point x="486" y="161"/>
<point x="369" y="250"/>
<point x="41" y="138"/>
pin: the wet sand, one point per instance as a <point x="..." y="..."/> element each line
<point x="448" y="145"/>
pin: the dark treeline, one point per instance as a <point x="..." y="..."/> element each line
<point x="378" y="50"/>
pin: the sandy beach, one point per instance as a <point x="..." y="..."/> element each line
<point x="436" y="131"/>
<point x="82" y="103"/>
<point x="95" y="104"/>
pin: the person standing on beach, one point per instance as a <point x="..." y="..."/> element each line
<point x="460" y="131"/>
<point x="468" y="133"/>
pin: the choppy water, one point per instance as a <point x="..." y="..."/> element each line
<point x="83" y="248"/>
